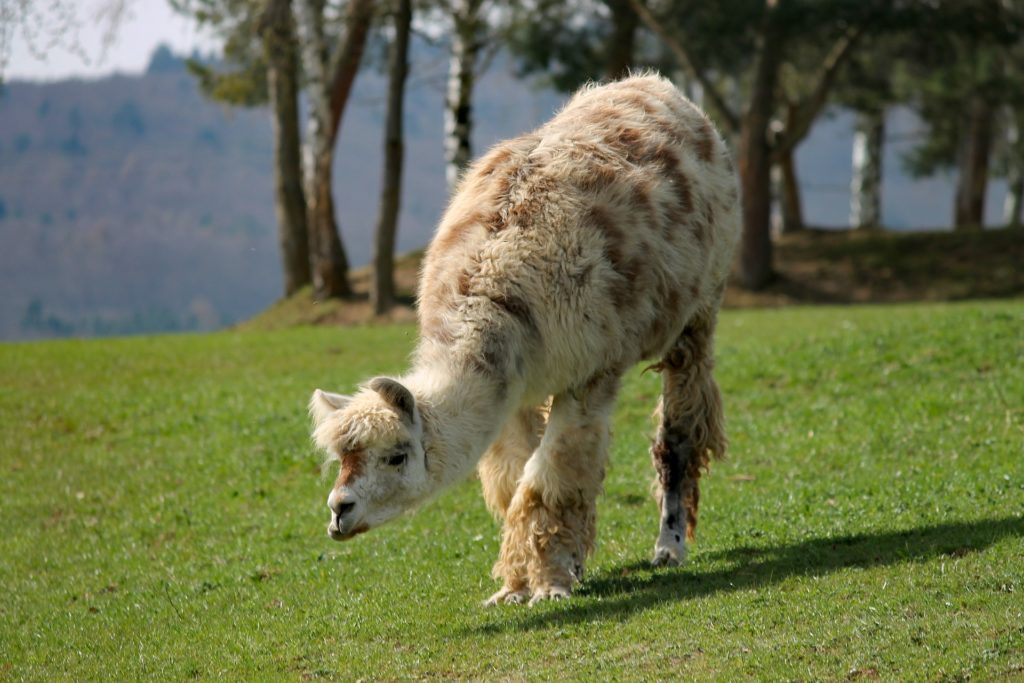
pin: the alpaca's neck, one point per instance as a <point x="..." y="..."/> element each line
<point x="462" y="414"/>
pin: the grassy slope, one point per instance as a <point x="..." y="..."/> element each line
<point x="164" y="517"/>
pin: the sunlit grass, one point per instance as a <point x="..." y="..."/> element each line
<point x="165" y="517"/>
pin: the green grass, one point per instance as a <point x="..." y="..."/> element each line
<point x="164" y="517"/>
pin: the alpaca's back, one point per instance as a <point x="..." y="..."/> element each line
<point x="585" y="246"/>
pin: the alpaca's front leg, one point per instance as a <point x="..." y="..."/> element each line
<point x="550" y="524"/>
<point x="500" y="470"/>
<point x="550" y="533"/>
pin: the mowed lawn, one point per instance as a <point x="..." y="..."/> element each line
<point x="164" y="517"/>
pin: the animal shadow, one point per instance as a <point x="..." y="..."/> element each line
<point x="634" y="587"/>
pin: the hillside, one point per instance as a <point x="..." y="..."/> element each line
<point x="814" y="267"/>
<point x="867" y="524"/>
<point x="132" y="204"/>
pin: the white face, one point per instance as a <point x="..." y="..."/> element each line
<point x="376" y="484"/>
<point x="377" y="438"/>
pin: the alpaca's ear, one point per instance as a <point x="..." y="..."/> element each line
<point x="397" y="396"/>
<point x="324" y="403"/>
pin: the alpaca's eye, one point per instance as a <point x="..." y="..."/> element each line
<point x="396" y="460"/>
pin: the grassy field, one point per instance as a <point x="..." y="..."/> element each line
<point x="165" y="517"/>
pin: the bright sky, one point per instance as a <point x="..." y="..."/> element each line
<point x="147" y="23"/>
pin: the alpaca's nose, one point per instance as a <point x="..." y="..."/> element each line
<point x="342" y="509"/>
<point x="344" y="517"/>
<point x="341" y="502"/>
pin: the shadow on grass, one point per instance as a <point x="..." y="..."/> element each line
<point x="632" y="588"/>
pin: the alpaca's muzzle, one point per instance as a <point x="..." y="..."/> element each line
<point x="345" y="522"/>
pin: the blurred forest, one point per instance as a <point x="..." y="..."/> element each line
<point x="929" y="89"/>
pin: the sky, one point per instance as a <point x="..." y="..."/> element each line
<point x="146" y="24"/>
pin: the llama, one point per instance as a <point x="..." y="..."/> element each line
<point x="566" y="256"/>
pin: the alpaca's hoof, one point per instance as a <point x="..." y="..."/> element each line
<point x="508" y="596"/>
<point x="670" y="550"/>
<point x="669" y="555"/>
<point x="550" y="593"/>
<point x="664" y="558"/>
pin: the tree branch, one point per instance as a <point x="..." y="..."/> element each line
<point x="344" y="64"/>
<point x="274" y="15"/>
<point x="800" y="118"/>
<point x="686" y="59"/>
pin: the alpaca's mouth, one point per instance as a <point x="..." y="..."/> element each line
<point x="345" y="534"/>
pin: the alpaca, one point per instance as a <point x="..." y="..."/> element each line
<point x="565" y="257"/>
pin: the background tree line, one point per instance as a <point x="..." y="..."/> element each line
<point x="765" y="70"/>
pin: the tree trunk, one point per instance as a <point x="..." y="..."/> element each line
<point x="789" y="194"/>
<point x="458" y="110"/>
<point x="1014" y="203"/>
<point x="755" y="158"/>
<point x="279" y="46"/>
<point x="330" y="80"/>
<point x="1012" y="206"/>
<point x="622" y="40"/>
<point x="969" y="210"/>
<point x="382" y="292"/>
<point x="327" y="256"/>
<point x="866" y="186"/>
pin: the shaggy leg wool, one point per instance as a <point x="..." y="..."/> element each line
<point x="690" y="433"/>
<point x="502" y="465"/>
<point x="500" y="471"/>
<point x="551" y="521"/>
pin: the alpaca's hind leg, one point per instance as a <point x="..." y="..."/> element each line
<point x="551" y="522"/>
<point x="690" y="433"/>
<point x="500" y="470"/>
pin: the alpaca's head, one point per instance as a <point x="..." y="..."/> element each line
<point x="376" y="436"/>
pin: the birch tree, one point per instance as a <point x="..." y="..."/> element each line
<point x="1012" y="151"/>
<point x="331" y="65"/>
<point x="1013" y="205"/>
<point x="866" y="183"/>
<point x="467" y="29"/>
<point x="867" y="88"/>
<point x="262" y="63"/>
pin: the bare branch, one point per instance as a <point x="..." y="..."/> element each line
<point x="687" y="60"/>
<point x="111" y="16"/>
<point x="801" y="116"/>
<point x="57" y="24"/>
